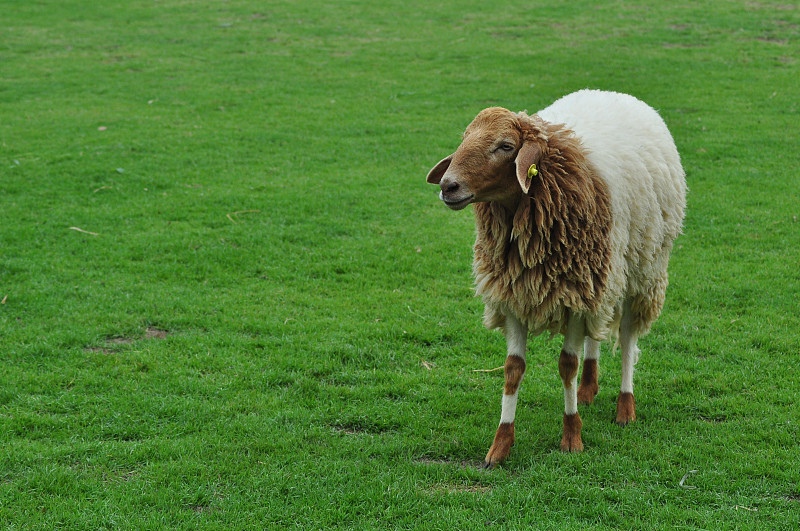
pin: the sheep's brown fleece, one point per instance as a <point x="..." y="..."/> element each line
<point x="552" y="253"/>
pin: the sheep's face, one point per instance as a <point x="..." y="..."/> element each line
<point x="484" y="167"/>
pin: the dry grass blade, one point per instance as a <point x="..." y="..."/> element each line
<point x="686" y="475"/>
<point x="231" y="214"/>
<point x="83" y="231"/>
<point x="489" y="370"/>
<point x="415" y="313"/>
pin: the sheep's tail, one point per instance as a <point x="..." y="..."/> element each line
<point x="613" y="331"/>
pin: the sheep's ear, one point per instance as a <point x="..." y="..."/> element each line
<point x="435" y="175"/>
<point x="527" y="158"/>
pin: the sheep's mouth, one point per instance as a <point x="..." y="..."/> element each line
<point x="456" y="204"/>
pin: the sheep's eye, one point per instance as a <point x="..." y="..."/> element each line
<point x="506" y="147"/>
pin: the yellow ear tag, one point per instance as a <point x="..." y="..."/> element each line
<point x="533" y="171"/>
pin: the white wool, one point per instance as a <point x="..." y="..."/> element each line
<point x="632" y="151"/>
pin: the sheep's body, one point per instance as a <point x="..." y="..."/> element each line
<point x="632" y="152"/>
<point x="576" y="209"/>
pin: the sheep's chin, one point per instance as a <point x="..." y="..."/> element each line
<point x="458" y="204"/>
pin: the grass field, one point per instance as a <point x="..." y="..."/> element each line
<point x="230" y="300"/>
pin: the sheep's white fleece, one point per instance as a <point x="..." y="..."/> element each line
<point x="632" y="151"/>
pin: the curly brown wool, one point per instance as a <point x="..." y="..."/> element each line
<point x="552" y="252"/>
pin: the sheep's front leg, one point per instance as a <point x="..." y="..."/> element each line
<point x="568" y="370"/>
<point x="516" y="339"/>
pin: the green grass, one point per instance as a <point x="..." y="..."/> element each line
<point x="253" y="174"/>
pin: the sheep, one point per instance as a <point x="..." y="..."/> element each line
<point x="576" y="209"/>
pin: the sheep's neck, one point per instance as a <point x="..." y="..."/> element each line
<point x="497" y="227"/>
<point x="511" y="204"/>
<point x="551" y="250"/>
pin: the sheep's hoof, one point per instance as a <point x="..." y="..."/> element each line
<point x="626" y="409"/>
<point x="501" y="446"/>
<point x="571" y="441"/>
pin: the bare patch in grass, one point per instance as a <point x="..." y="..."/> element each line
<point x="779" y="7"/>
<point x="713" y="419"/>
<point x="359" y="428"/>
<point x="155" y="333"/>
<point x="120" y="340"/>
<point x="774" y="40"/>
<point x="150" y="333"/>
<point x="349" y="431"/>
<point x="685" y="45"/>
<point x="121" y="476"/>
<point x="129" y="475"/>
<point x="458" y="488"/>
<point x="449" y="462"/>
<point x="101" y="350"/>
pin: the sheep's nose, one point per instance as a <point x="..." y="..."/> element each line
<point x="449" y="187"/>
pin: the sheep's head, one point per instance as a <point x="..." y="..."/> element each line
<point x="493" y="161"/>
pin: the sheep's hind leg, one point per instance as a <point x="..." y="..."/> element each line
<point x="568" y="370"/>
<point x="626" y="404"/>
<point x="588" y="387"/>
<point x="516" y="339"/>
